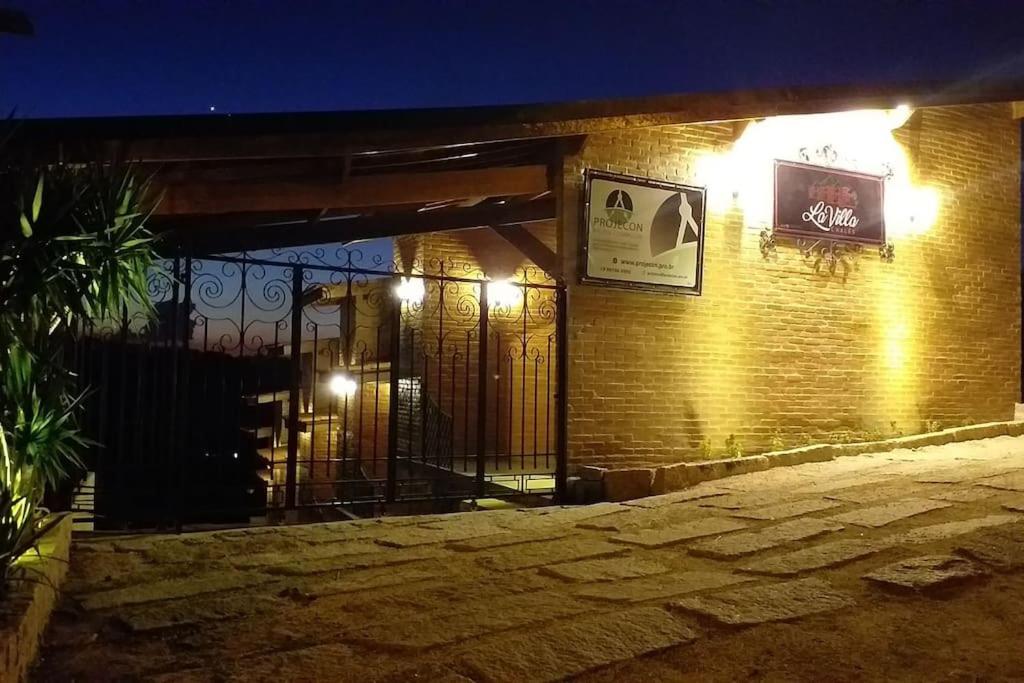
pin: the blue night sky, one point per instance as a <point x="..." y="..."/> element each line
<point x="120" y="57"/>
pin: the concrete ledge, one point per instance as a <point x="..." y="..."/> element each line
<point x="25" y="610"/>
<point x="627" y="484"/>
<point x="668" y="478"/>
<point x="686" y="474"/>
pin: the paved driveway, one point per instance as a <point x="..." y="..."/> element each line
<point x="900" y="565"/>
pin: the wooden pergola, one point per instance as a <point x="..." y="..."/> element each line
<point x="236" y="183"/>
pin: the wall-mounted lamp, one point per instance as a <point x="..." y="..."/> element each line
<point x="342" y="385"/>
<point x="503" y="294"/>
<point x="410" y="290"/>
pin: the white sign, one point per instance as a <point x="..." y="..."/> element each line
<point x="643" y="233"/>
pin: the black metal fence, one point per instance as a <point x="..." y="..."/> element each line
<point x="302" y="380"/>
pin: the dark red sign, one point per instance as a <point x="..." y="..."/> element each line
<point x="826" y="203"/>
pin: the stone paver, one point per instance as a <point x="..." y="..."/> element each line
<point x="661" y="586"/>
<point x="785" y="510"/>
<point x="391" y="557"/>
<point x="939" y="532"/>
<point x="569" y="648"/>
<point x="971" y="495"/>
<point x="367" y="579"/>
<point x="740" y="544"/>
<point x="887" y="513"/>
<point x="560" y="517"/>
<point x="143" y="617"/>
<point x="926" y="573"/>
<point x="411" y="537"/>
<point x="608" y="569"/>
<point x="816" y="557"/>
<point x="318" y="552"/>
<point x="963" y="473"/>
<point x="1014" y="481"/>
<point x="551" y="552"/>
<point x="831" y="485"/>
<point x="186" y="586"/>
<point x="760" y="604"/>
<point x="659" y="538"/>
<point x="505" y="539"/>
<point x="1016" y="505"/>
<point x="323" y="662"/>
<point x="433" y="629"/>
<point x="862" y="495"/>
<point x="542" y="594"/>
<point x="686" y="495"/>
<point x="1001" y="548"/>
<point x="740" y="501"/>
<point x="636" y="518"/>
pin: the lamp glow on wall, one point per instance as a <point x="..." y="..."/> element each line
<point x="855" y="140"/>
<point x="503" y="294"/>
<point x="410" y="290"/>
<point x="342" y="385"/>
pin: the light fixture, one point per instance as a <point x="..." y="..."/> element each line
<point x="742" y="177"/>
<point x="504" y="294"/>
<point x="898" y="116"/>
<point x="342" y="385"/>
<point x="410" y="290"/>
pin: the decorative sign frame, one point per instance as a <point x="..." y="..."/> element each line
<point x="821" y="203"/>
<point x="643" y="234"/>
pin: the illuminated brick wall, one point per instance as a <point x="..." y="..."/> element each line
<point x="520" y="413"/>
<point x="774" y="352"/>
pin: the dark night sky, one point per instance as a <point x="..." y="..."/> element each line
<point x="115" y="57"/>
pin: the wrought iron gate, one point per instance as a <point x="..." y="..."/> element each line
<point x="283" y="380"/>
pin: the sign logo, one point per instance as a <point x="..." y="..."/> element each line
<point x="642" y="233"/>
<point x="673" y="225"/>
<point x="821" y="202"/>
<point x="832" y="205"/>
<point x="619" y="207"/>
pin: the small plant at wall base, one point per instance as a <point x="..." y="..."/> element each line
<point x="733" y="447"/>
<point x="74" y="247"/>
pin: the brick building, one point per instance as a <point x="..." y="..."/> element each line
<point x="775" y="351"/>
<point x="788" y="342"/>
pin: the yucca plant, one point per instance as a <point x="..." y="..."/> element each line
<point x="74" y="247"/>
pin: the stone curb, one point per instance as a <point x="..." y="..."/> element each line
<point x="29" y="603"/>
<point x="628" y="484"/>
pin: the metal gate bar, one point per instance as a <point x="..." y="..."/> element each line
<point x="292" y="382"/>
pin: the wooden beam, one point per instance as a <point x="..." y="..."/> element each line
<point x="531" y="247"/>
<point x="207" y="238"/>
<point x="330" y="134"/>
<point x="330" y="192"/>
<point x="229" y="221"/>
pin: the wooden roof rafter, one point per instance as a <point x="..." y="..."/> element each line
<point x="333" y="192"/>
<point x="261" y="230"/>
<point x="332" y="134"/>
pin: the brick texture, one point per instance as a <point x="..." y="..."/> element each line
<point x="441" y="345"/>
<point x="778" y="354"/>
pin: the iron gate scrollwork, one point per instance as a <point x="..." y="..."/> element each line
<point x="316" y="379"/>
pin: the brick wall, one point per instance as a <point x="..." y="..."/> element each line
<point x="773" y="352"/>
<point x="520" y="412"/>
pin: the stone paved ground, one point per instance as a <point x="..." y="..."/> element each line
<point x="907" y="565"/>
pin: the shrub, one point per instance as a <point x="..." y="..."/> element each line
<point x="74" y="247"/>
